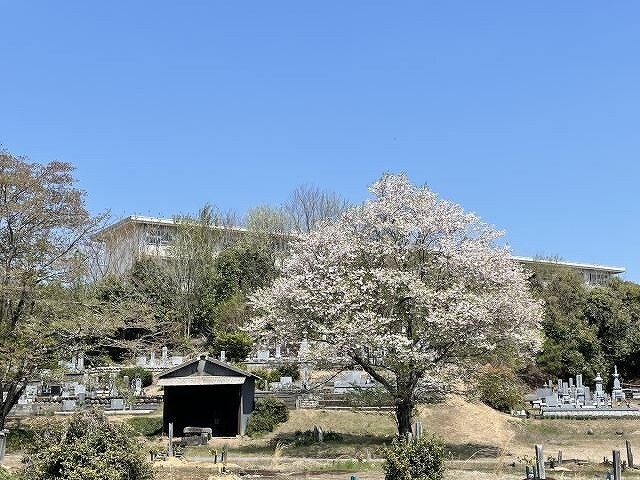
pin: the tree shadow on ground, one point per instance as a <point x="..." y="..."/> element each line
<point x="465" y="451"/>
<point x="306" y="444"/>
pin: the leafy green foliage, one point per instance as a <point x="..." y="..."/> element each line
<point x="145" y="375"/>
<point x="237" y="346"/>
<point x="273" y="375"/>
<point x="44" y="228"/>
<point x="88" y="447"/>
<point x="419" y="459"/>
<point x="499" y="388"/>
<point x="6" y="475"/>
<point x="589" y="329"/>
<point x="19" y="438"/>
<point x="268" y="413"/>
<point x="288" y="370"/>
<point x="146" y="426"/>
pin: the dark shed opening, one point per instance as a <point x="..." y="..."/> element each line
<point x="206" y="392"/>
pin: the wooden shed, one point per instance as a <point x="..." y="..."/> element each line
<point x="206" y="392"/>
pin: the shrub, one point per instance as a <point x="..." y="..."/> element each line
<point x="419" y="459"/>
<point x="145" y="375"/>
<point x="273" y="375"/>
<point x="146" y="426"/>
<point x="308" y="437"/>
<point x="499" y="388"/>
<point x="236" y="346"/>
<point x="288" y="370"/>
<point x="87" y="447"/>
<point x="268" y="413"/>
<point x="18" y="439"/>
<point x="5" y="474"/>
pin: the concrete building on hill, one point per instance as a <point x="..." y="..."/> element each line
<point x="135" y="237"/>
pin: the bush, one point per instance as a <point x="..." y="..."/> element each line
<point x="268" y="413"/>
<point x="268" y="375"/>
<point x="499" y="388"/>
<point x="308" y="437"/>
<point x="146" y="426"/>
<point x="236" y="346"/>
<point x="5" y="474"/>
<point x="87" y="447"/>
<point x="18" y="439"/>
<point x="419" y="459"/>
<point x="145" y="375"/>
<point x="288" y="370"/>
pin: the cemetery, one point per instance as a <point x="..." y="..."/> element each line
<point x="569" y="399"/>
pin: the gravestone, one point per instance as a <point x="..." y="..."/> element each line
<point x="68" y="405"/>
<point x="263" y="355"/>
<point x="223" y="356"/>
<point x="165" y="354"/>
<point x="616" y="392"/>
<point x="138" y="386"/>
<point x="117" y="404"/>
<point x="318" y="434"/>
<point x="278" y="354"/>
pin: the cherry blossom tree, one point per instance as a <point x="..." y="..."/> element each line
<point x="409" y="287"/>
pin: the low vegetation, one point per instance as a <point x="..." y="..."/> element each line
<point x="146" y="376"/>
<point x="146" y="426"/>
<point x="87" y="447"/>
<point x="417" y="459"/>
<point x="268" y="413"/>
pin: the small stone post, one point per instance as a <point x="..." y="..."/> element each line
<point x="3" y="444"/>
<point x="540" y="463"/>
<point x="171" y="439"/>
<point x="559" y="457"/>
<point x="225" y="453"/>
<point x="629" y="454"/>
<point x="617" y="467"/>
<point x="417" y="430"/>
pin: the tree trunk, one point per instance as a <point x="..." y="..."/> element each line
<point x="14" y="393"/>
<point x="404" y="408"/>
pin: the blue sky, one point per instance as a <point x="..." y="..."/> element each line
<point x="526" y="113"/>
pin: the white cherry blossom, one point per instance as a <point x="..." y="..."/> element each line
<point x="408" y="286"/>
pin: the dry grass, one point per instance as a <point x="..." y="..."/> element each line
<point x="343" y="421"/>
<point x="459" y="421"/>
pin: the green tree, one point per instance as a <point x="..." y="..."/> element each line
<point x="88" y="447"/>
<point x="237" y="346"/>
<point x="500" y="388"/>
<point x="571" y="343"/>
<point x="43" y="227"/>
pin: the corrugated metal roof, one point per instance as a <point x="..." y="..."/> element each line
<point x="200" y="380"/>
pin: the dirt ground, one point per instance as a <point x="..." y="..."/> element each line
<point x="481" y="443"/>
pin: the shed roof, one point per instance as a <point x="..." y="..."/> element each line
<point x="235" y="375"/>
<point x="201" y="380"/>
